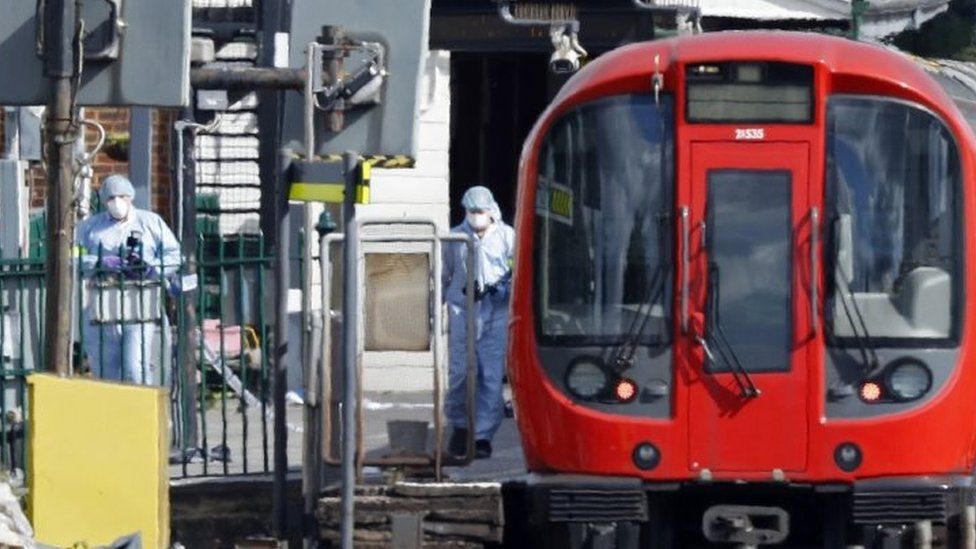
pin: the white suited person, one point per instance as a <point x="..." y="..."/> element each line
<point x="494" y="246"/>
<point x="123" y="242"/>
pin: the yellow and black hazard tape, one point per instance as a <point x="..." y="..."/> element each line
<point x="378" y="161"/>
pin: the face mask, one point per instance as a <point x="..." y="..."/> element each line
<point x="118" y="208"/>
<point x="479" y="221"/>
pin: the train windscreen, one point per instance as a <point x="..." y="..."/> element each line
<point x="603" y="227"/>
<point x="893" y="193"/>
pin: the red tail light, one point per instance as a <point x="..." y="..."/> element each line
<point x="625" y="390"/>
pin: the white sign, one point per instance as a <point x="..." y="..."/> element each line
<point x="750" y="134"/>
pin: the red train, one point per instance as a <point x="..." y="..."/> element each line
<point x="742" y="304"/>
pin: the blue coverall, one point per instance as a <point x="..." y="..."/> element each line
<point x="493" y="260"/>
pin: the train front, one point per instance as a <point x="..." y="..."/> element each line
<point x="740" y="309"/>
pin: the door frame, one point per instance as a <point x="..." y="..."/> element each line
<point x="729" y="432"/>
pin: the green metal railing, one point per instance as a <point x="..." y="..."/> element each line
<point x="22" y="345"/>
<point x="139" y="322"/>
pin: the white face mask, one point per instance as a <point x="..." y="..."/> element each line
<point x="118" y="208"/>
<point x="479" y="221"/>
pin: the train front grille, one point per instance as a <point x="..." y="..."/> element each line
<point x="588" y="505"/>
<point x="899" y="507"/>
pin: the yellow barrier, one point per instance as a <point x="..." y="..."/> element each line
<point x="97" y="462"/>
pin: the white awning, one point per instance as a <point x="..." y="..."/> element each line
<point x="883" y="17"/>
<point x="770" y="10"/>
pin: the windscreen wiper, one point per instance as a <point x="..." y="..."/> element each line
<point x="622" y="358"/>
<point x="714" y="332"/>
<point x="869" y="358"/>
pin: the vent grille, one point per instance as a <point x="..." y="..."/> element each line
<point x="597" y="505"/>
<point x="899" y="507"/>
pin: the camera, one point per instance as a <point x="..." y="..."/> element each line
<point x="134" y="244"/>
<point x="564" y="62"/>
<point x="568" y="54"/>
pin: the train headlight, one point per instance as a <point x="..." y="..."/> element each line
<point x="848" y="456"/>
<point x="907" y="379"/>
<point x="586" y="378"/>
<point x="646" y="456"/>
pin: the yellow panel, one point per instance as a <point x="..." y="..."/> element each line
<point x="331" y="193"/>
<point x="97" y="462"/>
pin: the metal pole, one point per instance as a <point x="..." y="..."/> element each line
<point x="140" y="156"/>
<point x="186" y="226"/>
<point x="247" y="78"/>
<point x="60" y="21"/>
<point x="280" y="372"/>
<point x="350" y="348"/>
<point x="311" y="470"/>
<point x="273" y="18"/>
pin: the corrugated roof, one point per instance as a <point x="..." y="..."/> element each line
<point x="770" y="10"/>
<point x="776" y="9"/>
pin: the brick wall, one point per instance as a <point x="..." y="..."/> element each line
<point x="115" y="121"/>
<point x="162" y="163"/>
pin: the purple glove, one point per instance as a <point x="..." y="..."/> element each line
<point x="110" y="263"/>
<point x="139" y="271"/>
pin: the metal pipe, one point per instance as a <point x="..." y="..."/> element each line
<point x="814" y="279"/>
<point x="309" y="97"/>
<point x="438" y="362"/>
<point x="311" y="477"/>
<point x="328" y="422"/>
<point x="248" y="78"/>
<point x="685" y="265"/>
<point x="350" y="350"/>
<point x="328" y="390"/>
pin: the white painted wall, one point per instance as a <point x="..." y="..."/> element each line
<point x="421" y="191"/>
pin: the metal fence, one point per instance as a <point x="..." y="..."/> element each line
<point x="199" y="327"/>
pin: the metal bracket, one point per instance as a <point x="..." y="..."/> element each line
<point x="687" y="13"/>
<point x="361" y="87"/>
<point x="101" y="41"/>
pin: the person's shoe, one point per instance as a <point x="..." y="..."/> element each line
<point x="458" y="445"/>
<point x="482" y="449"/>
<point x="509" y="409"/>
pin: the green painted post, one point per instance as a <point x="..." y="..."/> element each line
<point x="858" y="9"/>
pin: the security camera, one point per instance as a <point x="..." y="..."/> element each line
<point x="567" y="54"/>
<point x="564" y="62"/>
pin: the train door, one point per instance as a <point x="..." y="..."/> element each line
<point x="748" y="290"/>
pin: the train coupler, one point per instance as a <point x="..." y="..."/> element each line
<point x="746" y="526"/>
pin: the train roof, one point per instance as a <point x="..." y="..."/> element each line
<point x="958" y="79"/>
<point x="632" y="65"/>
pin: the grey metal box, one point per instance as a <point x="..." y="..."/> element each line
<point x="153" y="66"/>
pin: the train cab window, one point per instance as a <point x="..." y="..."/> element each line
<point x="604" y="227"/>
<point x="893" y="194"/>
